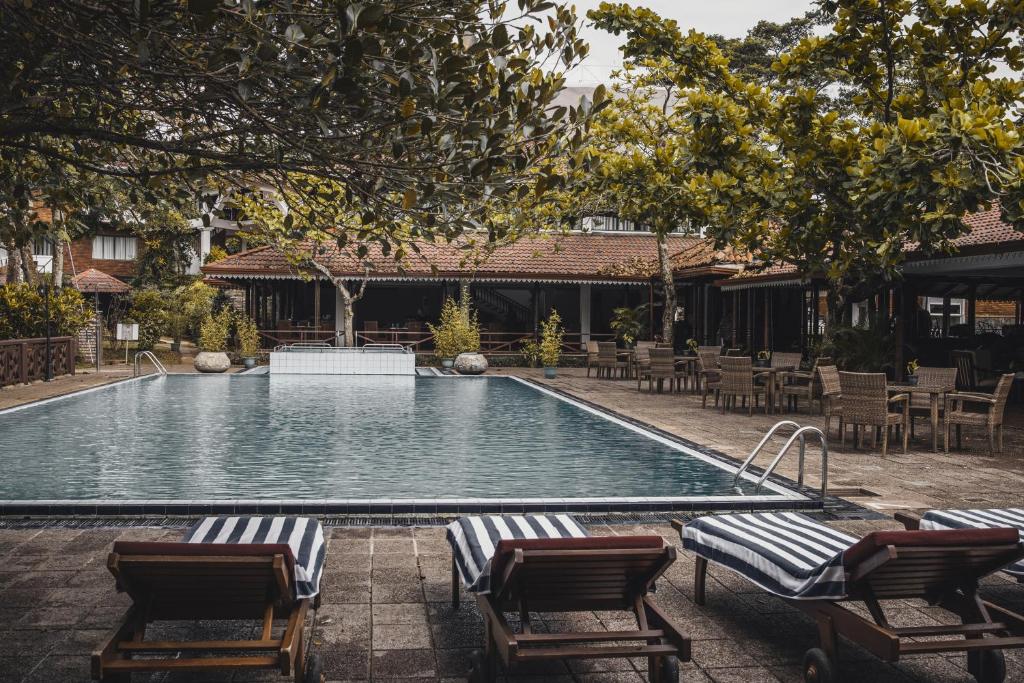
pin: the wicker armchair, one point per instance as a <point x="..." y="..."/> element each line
<point x="866" y="403"/>
<point x="738" y="382"/>
<point x="642" y="356"/>
<point x="708" y="375"/>
<point x="805" y="384"/>
<point x="991" y="419"/>
<point x="717" y="350"/>
<point x="591" y="347"/>
<point x="938" y="378"/>
<point x="662" y="366"/>
<point x="831" y="406"/>
<point x="608" y="361"/>
<point x="735" y="353"/>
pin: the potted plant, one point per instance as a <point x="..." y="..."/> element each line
<point x="763" y="358"/>
<point x="912" y="367"/>
<point x="530" y="350"/>
<point x="457" y="338"/>
<point x="248" y="340"/>
<point x="691" y="346"/>
<point x="213" y="341"/>
<point x="628" y="324"/>
<point x="551" y="343"/>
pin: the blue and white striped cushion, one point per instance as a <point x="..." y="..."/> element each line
<point x="304" y="535"/>
<point x="785" y="553"/>
<point x="1012" y="518"/>
<point x="474" y="539"/>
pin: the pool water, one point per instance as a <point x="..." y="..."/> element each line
<point x="311" y="437"/>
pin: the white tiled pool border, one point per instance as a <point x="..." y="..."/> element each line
<point x="783" y="498"/>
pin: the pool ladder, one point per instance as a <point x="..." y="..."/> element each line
<point x="799" y="436"/>
<point x="152" y="358"/>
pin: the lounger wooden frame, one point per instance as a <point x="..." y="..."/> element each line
<point x="176" y="581"/>
<point x="946" y="576"/>
<point x="572" y="580"/>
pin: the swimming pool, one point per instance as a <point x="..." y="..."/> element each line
<point x="341" y="439"/>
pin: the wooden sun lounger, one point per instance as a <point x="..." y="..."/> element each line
<point x="940" y="567"/>
<point x="579" y="574"/>
<point x="186" y="582"/>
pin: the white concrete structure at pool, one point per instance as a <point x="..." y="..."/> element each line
<point x="372" y="359"/>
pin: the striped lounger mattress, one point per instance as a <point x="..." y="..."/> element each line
<point x="474" y="539"/>
<point x="1012" y="518"/>
<point x="784" y="553"/>
<point x="303" y="535"/>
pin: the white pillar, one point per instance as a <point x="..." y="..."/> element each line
<point x="204" y="243"/>
<point x="584" y="313"/>
<point x="339" y="318"/>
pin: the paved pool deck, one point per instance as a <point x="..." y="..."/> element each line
<point x="386" y="613"/>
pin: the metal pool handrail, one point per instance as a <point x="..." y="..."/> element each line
<point x="153" y="359"/>
<point x="799" y="433"/>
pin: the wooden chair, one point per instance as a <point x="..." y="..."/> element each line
<point x="661" y="366"/>
<point x="709" y="375"/>
<point x="991" y="419"/>
<point x="738" y="382"/>
<point x="611" y="573"/>
<point x="929" y="377"/>
<point x="804" y="384"/>
<point x="940" y="567"/>
<point x="591" y="348"/>
<point x="866" y="403"/>
<point x="831" y="394"/>
<point x="608" y="361"/>
<point x="968" y="377"/>
<point x="216" y="582"/>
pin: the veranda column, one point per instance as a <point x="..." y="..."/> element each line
<point x="584" y="313"/>
<point x="972" y="301"/>
<point x="339" y="318"/>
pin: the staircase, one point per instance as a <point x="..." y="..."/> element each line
<point x="501" y="306"/>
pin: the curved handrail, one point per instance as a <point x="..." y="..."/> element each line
<point x="753" y="454"/>
<point x="799" y="434"/>
<point x="152" y="358"/>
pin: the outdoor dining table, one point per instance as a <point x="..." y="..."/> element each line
<point x="691" y="370"/>
<point x="773" y="380"/>
<point x="935" y="395"/>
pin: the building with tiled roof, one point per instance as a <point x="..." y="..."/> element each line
<point x="92" y="281"/>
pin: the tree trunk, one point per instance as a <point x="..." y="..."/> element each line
<point x="668" y="314"/>
<point x="13" y="262"/>
<point x="348" y="314"/>
<point x="28" y="265"/>
<point x="58" y="260"/>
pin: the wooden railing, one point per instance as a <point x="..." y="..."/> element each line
<point x="491" y="343"/>
<point x="24" y="360"/>
<point x="271" y="338"/>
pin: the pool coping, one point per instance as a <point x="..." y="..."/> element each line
<point x="789" y="496"/>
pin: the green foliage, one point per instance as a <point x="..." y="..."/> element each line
<point x="692" y="344"/>
<point x="217" y="253"/>
<point x="214" y="331"/>
<point x="248" y="336"/>
<point x="457" y="330"/>
<point x="912" y="367"/>
<point x="629" y="324"/>
<point x="551" y="334"/>
<point x="868" y="346"/>
<point x="149" y="309"/>
<point x="23" y="312"/>
<point x="530" y="351"/>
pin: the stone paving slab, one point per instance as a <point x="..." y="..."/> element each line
<point x="379" y="622"/>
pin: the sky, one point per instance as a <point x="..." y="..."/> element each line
<point x="730" y="18"/>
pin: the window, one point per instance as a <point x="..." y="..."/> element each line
<point x="113" y="248"/>
<point x="42" y="246"/>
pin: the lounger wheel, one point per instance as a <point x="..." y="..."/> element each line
<point x="669" y="669"/>
<point x="314" y="670"/>
<point x="818" y="667"/>
<point x="987" y="666"/>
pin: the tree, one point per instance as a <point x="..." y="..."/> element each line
<point x="415" y="111"/>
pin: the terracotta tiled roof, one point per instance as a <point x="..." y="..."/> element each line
<point x="703" y="254"/>
<point x="627" y="257"/>
<point x="97" y="282"/>
<point x="986" y="228"/>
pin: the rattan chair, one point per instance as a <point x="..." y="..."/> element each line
<point x="991" y="419"/>
<point x="717" y="349"/>
<point x="608" y="361"/>
<point x="735" y="353"/>
<point x="938" y="378"/>
<point x="866" y="403"/>
<point x="738" y="382"/>
<point x="709" y="376"/>
<point x="968" y="376"/>
<point x="805" y="384"/>
<point x="591" y="347"/>
<point x="831" y="392"/>
<point x="662" y="366"/>
<point x="642" y="357"/>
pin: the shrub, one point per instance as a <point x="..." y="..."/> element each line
<point x="195" y="302"/>
<point x="213" y="333"/>
<point x="149" y="309"/>
<point x="248" y="336"/>
<point x="23" y="312"/>
<point x="868" y="346"/>
<point x="551" y="340"/>
<point x="217" y="253"/>
<point x="530" y="351"/>
<point x="629" y="324"/>
<point x="457" y="331"/>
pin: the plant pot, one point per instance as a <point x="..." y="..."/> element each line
<point x="447" y="362"/>
<point x="549" y="373"/>
<point x="470" y="364"/>
<point x="912" y="380"/>
<point x="176" y="346"/>
<point x="212" y="361"/>
<point x="249" y="362"/>
<point x="762" y="363"/>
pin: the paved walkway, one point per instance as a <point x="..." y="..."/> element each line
<point x="84" y="379"/>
